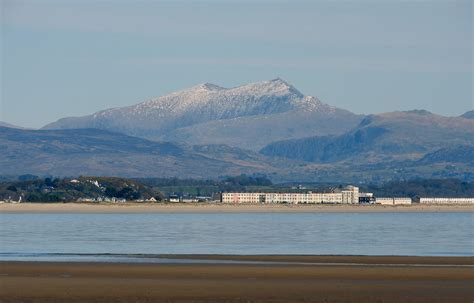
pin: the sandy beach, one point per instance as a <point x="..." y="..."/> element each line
<point x="218" y="208"/>
<point x="118" y="282"/>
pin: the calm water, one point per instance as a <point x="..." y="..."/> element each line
<point x="87" y="236"/>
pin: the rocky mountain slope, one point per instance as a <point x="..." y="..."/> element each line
<point x="248" y="116"/>
<point x="381" y="138"/>
<point x="458" y="154"/>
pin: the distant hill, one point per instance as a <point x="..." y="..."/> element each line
<point x="267" y="127"/>
<point x="88" y="152"/>
<point x="249" y="116"/>
<point x="67" y="190"/>
<point x="5" y="124"/>
<point x="460" y="154"/>
<point x="381" y="138"/>
<point x="468" y="115"/>
<point x="76" y="152"/>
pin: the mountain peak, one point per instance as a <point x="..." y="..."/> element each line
<point x="270" y="87"/>
<point x="207" y="87"/>
<point x="252" y="115"/>
<point x="280" y="81"/>
<point x="275" y="86"/>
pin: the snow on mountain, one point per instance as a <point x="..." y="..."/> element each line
<point x="206" y="102"/>
<point x="266" y="104"/>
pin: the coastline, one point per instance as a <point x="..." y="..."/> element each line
<point x="335" y="260"/>
<point x="122" y="282"/>
<point x="74" y="207"/>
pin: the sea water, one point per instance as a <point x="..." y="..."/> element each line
<point x="108" y="236"/>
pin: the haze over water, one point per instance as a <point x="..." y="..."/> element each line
<point x="65" y="236"/>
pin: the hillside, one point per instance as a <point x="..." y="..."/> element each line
<point x="381" y="138"/>
<point x="95" y="152"/>
<point x="68" y="190"/>
<point x="460" y="154"/>
<point x="248" y="116"/>
<point x="77" y="152"/>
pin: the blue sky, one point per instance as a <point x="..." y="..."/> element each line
<point x="70" y="58"/>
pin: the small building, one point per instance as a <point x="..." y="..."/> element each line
<point x="393" y="201"/>
<point x="189" y="199"/>
<point x="85" y="200"/>
<point x="174" y="198"/>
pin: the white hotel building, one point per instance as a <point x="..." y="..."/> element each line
<point x="349" y="195"/>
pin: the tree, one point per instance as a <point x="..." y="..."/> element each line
<point x="110" y="192"/>
<point x="27" y="177"/>
<point x="12" y="188"/>
<point x="48" y="182"/>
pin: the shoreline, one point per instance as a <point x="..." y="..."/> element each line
<point x="325" y="260"/>
<point x="355" y="260"/>
<point x="75" y="207"/>
<point x="214" y="282"/>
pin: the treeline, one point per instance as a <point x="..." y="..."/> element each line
<point x="244" y="180"/>
<point x="157" y="182"/>
<point x="241" y="180"/>
<point x="67" y="189"/>
<point x="198" y="187"/>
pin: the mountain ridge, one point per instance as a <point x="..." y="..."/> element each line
<point x="75" y="152"/>
<point x="405" y="134"/>
<point x="104" y="153"/>
<point x="9" y="125"/>
<point x="188" y="113"/>
<point x="266" y="127"/>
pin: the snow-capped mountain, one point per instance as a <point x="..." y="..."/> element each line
<point x="248" y="116"/>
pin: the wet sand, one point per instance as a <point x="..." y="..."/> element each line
<point x="218" y="208"/>
<point x="115" y="282"/>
